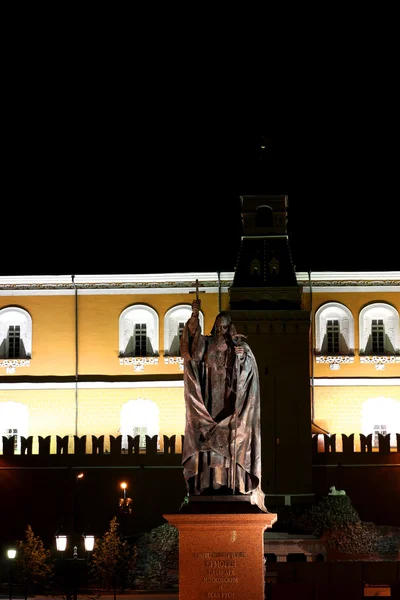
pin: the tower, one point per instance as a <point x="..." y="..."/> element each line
<point x="265" y="303"/>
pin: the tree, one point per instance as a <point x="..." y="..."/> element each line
<point x="158" y="558"/>
<point x="112" y="559"/>
<point x="33" y="562"/>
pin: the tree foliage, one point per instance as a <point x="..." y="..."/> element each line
<point x="335" y="520"/>
<point x="113" y="559"/>
<point x="157" y="558"/>
<point x="33" y="563"/>
<point x="330" y="513"/>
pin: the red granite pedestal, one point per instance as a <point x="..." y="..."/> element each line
<point x="221" y="550"/>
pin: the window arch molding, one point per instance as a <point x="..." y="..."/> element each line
<point x="173" y="320"/>
<point x="15" y="333"/>
<point x="334" y="311"/>
<point x="388" y="318"/>
<point x="135" y="318"/>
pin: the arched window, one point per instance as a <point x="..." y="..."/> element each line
<point x="15" y="333"/>
<point x="379" y="329"/>
<point x="334" y="329"/>
<point x="174" y="322"/>
<point x="13" y="423"/>
<point x="139" y="417"/>
<point x="138" y="331"/>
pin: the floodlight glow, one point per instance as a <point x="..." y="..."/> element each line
<point x="11" y="553"/>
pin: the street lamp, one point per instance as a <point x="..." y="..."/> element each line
<point x="79" y="477"/>
<point x="124" y="486"/>
<point x="11" y="553"/>
<point x="62" y="540"/>
<point x="125" y="504"/>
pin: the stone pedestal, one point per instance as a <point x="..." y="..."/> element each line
<point x="221" y="550"/>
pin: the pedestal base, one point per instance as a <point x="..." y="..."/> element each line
<point x="221" y="554"/>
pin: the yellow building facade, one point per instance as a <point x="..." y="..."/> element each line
<point x="99" y="355"/>
<point x="66" y="364"/>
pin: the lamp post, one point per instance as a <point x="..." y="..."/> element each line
<point x="125" y="503"/>
<point x="62" y="540"/>
<point x="11" y="553"/>
<point x="79" y="477"/>
<point x="124" y="485"/>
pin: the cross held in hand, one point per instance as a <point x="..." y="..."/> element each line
<point x="196" y="291"/>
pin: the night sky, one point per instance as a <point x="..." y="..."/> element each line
<point x="94" y="190"/>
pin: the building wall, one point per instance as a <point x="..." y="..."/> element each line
<point x="53" y="412"/>
<point x="340" y="409"/>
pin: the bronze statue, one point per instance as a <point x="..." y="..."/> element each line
<point x="222" y="445"/>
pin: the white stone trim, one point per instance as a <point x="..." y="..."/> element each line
<point x="339" y="311"/>
<point x="390" y="316"/>
<point x="11" y="364"/>
<point x="336" y="382"/>
<point x="379" y="360"/>
<point x="95" y="385"/>
<point x="114" y="278"/>
<point x="335" y="360"/>
<point x="304" y="277"/>
<point x="139" y="313"/>
<point x="138" y="363"/>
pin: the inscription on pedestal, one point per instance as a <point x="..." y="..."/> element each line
<point x="220" y="569"/>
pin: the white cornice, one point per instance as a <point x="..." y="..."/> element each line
<point x="330" y="289"/>
<point x="336" y="382"/>
<point x="148" y="283"/>
<point x="348" y="276"/>
<point x="88" y="385"/>
<point x="110" y="279"/>
<point x="158" y="283"/>
<point x="114" y="291"/>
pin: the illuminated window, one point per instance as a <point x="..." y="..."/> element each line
<point x="381" y="415"/>
<point x="334" y="329"/>
<point x="379" y="429"/>
<point x="138" y="331"/>
<point x="332" y="335"/>
<point x="140" y="339"/>
<point x="141" y="431"/>
<point x="13" y="423"/>
<point x="378" y="336"/>
<point x="15" y="333"/>
<point x="174" y="322"/>
<point x="139" y="417"/>
<point x="379" y="329"/>
<point x="12" y="433"/>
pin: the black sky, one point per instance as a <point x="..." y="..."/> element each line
<point x="95" y="181"/>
